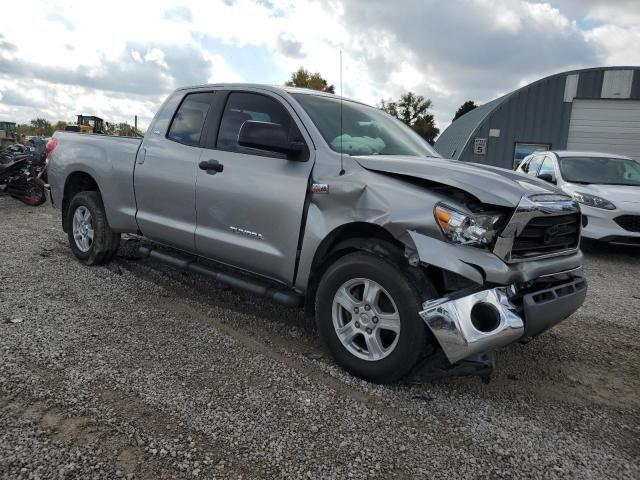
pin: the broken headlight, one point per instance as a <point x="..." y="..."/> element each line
<point x="475" y="229"/>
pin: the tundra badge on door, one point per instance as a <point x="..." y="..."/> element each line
<point x="247" y="233"/>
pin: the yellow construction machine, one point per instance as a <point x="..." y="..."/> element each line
<point x="87" y="124"/>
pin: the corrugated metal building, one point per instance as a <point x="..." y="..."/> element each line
<point x="594" y="109"/>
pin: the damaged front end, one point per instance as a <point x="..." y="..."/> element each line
<point x="483" y="321"/>
<point x="528" y="282"/>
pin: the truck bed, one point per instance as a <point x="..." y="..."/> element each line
<point x="107" y="159"/>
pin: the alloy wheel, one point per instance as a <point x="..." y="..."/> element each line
<point x="366" y="319"/>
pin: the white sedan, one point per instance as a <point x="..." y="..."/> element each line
<point x="607" y="186"/>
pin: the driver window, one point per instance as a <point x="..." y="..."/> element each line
<point x="252" y="106"/>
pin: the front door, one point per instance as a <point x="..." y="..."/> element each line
<point x="165" y="174"/>
<point x="249" y="214"/>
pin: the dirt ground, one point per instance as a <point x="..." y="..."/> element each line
<point x="137" y="370"/>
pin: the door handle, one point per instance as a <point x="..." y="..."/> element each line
<point x="211" y="166"/>
<point x="142" y="155"/>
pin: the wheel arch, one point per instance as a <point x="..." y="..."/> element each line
<point x="345" y="239"/>
<point x="76" y="182"/>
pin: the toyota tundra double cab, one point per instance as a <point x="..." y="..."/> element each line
<point x="317" y="201"/>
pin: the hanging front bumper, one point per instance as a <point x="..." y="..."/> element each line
<point x="487" y="320"/>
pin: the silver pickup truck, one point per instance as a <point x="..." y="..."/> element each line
<point x="316" y="201"/>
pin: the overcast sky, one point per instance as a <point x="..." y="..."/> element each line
<point x="117" y="59"/>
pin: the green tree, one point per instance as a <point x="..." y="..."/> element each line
<point x="303" y="78"/>
<point x="22" y="130"/>
<point x="110" y="128"/>
<point x="41" y="126"/>
<point x="413" y="110"/>
<point x="125" y="130"/>
<point x="59" y="126"/>
<point x="464" y="108"/>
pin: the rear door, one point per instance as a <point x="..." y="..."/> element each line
<point x="250" y="213"/>
<point x="165" y="173"/>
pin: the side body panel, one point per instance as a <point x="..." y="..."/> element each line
<point x="165" y="179"/>
<point x="109" y="161"/>
<point x="250" y="214"/>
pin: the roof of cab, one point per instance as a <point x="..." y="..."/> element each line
<point x="272" y="88"/>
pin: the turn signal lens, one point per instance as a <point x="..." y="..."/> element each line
<point x="443" y="217"/>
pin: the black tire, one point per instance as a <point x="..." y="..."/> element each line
<point x="413" y="337"/>
<point x="105" y="242"/>
<point x="34" y="194"/>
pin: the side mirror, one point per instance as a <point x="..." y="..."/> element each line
<point x="267" y="136"/>
<point x="547" y="177"/>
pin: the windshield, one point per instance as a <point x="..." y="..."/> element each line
<point x="365" y="130"/>
<point x="600" y="170"/>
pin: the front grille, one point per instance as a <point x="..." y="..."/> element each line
<point x="630" y="223"/>
<point x="547" y="234"/>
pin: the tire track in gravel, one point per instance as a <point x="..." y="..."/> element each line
<point x="73" y="431"/>
<point x="121" y="423"/>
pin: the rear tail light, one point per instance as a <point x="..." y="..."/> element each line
<point x="50" y="146"/>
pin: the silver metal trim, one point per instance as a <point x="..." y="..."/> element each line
<point x="530" y="207"/>
<point x="450" y="322"/>
<point x="577" y="271"/>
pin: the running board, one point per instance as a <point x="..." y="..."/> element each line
<point x="248" y="284"/>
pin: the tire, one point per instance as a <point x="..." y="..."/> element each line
<point x="372" y="349"/>
<point x="103" y="245"/>
<point x="34" y="194"/>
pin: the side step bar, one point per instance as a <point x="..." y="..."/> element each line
<point x="248" y="284"/>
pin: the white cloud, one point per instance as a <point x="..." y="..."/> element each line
<point x="124" y="57"/>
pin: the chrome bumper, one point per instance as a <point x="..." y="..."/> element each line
<point x="458" y="324"/>
<point x="487" y="320"/>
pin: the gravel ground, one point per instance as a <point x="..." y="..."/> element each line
<point x="136" y="370"/>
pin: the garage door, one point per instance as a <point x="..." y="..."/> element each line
<point x="611" y="126"/>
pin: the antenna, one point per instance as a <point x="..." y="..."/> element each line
<point x="341" y="133"/>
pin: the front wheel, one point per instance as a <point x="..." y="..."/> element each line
<point x="367" y="314"/>
<point x="90" y="237"/>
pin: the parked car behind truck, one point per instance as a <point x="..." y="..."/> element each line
<point x="399" y="254"/>
<point x="607" y="187"/>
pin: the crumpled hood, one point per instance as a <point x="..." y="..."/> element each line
<point x="492" y="185"/>
<point x="613" y="193"/>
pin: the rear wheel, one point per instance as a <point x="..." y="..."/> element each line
<point x="367" y="314"/>
<point x="90" y="237"/>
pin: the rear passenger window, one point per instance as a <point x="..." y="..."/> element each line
<point x="188" y="121"/>
<point x="252" y="106"/>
